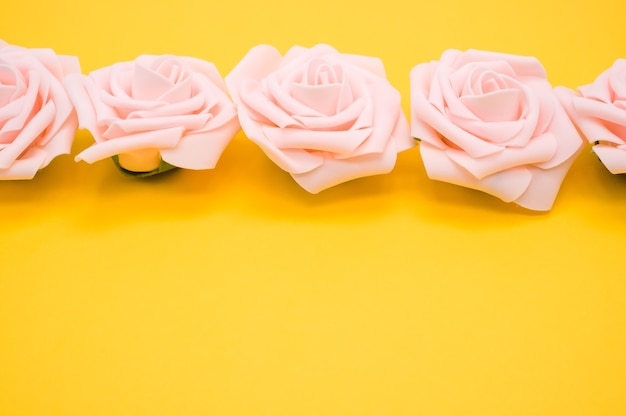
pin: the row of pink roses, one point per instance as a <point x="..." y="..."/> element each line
<point x="485" y="120"/>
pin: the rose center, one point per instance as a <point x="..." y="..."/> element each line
<point x="323" y="88"/>
<point x="320" y="72"/>
<point x="170" y="69"/>
<point x="164" y="80"/>
<point x="487" y="82"/>
<point x="492" y="96"/>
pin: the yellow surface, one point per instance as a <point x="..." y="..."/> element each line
<point x="234" y="292"/>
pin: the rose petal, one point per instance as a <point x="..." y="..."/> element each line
<point x="259" y="62"/>
<point x="297" y="57"/>
<point x="168" y="66"/>
<point x="254" y="99"/>
<point x="18" y="122"/>
<point x="64" y="109"/>
<point x="40" y="121"/>
<point x="355" y="117"/>
<point x="401" y="134"/>
<point x="179" y="92"/>
<point x="386" y="113"/>
<point x="599" y="89"/>
<point x="612" y="157"/>
<point x="26" y="166"/>
<point x="8" y="113"/>
<point x="534" y="116"/>
<point x="544" y="186"/>
<point x="149" y="85"/>
<point x="192" y="105"/>
<point x="603" y="111"/>
<point x="333" y="172"/>
<point x="158" y="139"/>
<point x="207" y="69"/>
<point x="540" y="149"/>
<point x="595" y="129"/>
<point x="116" y="80"/>
<point x="7" y="92"/>
<point x="69" y="64"/>
<point x="420" y="76"/>
<point x="524" y="66"/>
<point x="122" y="128"/>
<point x="507" y="185"/>
<point x="423" y="110"/>
<point x="61" y="142"/>
<point x="290" y="160"/>
<point x="483" y="77"/>
<point x="280" y="93"/>
<point x="224" y="115"/>
<point x="76" y="87"/>
<point x="496" y="106"/>
<point x="328" y="141"/>
<point x="568" y="139"/>
<point x="322" y="98"/>
<point x="10" y="81"/>
<point x="201" y="150"/>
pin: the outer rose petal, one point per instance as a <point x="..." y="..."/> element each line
<point x="260" y="61"/>
<point x="27" y="166"/>
<point x="291" y="160"/>
<point x="62" y="142"/>
<point x="158" y="139"/>
<point x="201" y="150"/>
<point x="507" y="185"/>
<point x="569" y="141"/>
<point x="334" y="172"/>
<point x="544" y="186"/>
<point x="524" y="66"/>
<point x="612" y="157"/>
<point x="320" y="144"/>
<point x="77" y="91"/>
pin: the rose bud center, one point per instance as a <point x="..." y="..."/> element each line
<point x="323" y="87"/>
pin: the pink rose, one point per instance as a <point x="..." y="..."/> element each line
<point x="322" y="116"/>
<point x="600" y="113"/>
<point x="492" y="122"/>
<point x="155" y="108"/>
<point x="37" y="120"/>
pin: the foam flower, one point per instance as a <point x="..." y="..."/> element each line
<point x="155" y="113"/>
<point x="37" y="120"/>
<point x="322" y="116"/>
<point x="492" y="122"/>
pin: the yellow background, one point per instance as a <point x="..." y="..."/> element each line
<point x="234" y="292"/>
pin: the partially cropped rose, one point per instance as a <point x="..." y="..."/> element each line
<point x="600" y="113"/>
<point x="322" y="116"/>
<point x="492" y="122"/>
<point x="155" y="109"/>
<point x="37" y="120"/>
